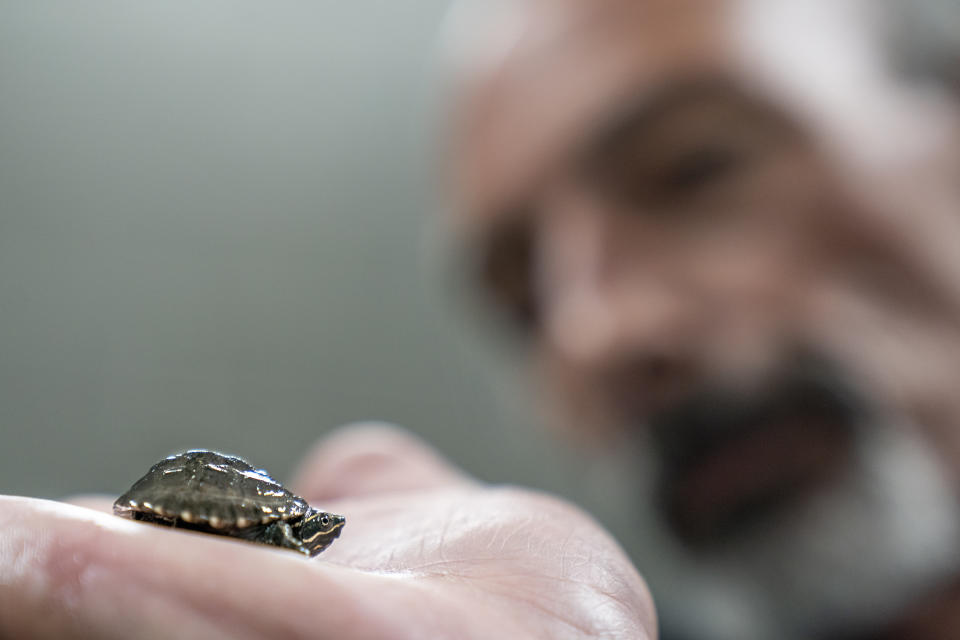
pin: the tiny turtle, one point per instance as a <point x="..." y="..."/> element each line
<point x="210" y="492"/>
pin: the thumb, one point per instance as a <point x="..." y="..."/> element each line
<point x="372" y="458"/>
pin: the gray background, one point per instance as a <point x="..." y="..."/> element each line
<point x="214" y="232"/>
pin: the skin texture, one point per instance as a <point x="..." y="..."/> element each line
<point x="428" y="553"/>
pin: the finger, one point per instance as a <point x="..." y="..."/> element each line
<point x="371" y="458"/>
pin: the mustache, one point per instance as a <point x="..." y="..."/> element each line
<point x="803" y="390"/>
<point x="708" y="415"/>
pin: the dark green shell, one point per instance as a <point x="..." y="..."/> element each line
<point x="208" y="489"/>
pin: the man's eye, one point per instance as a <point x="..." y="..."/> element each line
<point x="698" y="169"/>
<point x="506" y="274"/>
<point x="672" y="152"/>
<point x="666" y="177"/>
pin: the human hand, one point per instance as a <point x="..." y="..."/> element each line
<point x="426" y="553"/>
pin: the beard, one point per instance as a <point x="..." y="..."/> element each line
<point x="847" y="556"/>
<point x="856" y="555"/>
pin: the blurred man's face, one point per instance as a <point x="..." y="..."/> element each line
<point x="730" y="228"/>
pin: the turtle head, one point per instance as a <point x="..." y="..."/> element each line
<point x="319" y="529"/>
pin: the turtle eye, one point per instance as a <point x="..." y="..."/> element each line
<point x="324" y="520"/>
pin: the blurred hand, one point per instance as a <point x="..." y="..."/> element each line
<point x="426" y="553"/>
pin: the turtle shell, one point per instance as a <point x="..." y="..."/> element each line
<point x="209" y="489"/>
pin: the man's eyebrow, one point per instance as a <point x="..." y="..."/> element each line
<point x="635" y="116"/>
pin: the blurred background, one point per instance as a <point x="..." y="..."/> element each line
<point x="215" y="232"/>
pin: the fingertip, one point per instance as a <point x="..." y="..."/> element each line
<point x="370" y="458"/>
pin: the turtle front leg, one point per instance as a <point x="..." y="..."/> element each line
<point x="281" y="534"/>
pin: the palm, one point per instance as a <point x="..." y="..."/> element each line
<point x="427" y="553"/>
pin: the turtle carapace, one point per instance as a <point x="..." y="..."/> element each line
<point x="224" y="495"/>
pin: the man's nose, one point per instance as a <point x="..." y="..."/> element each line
<point x="615" y="311"/>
